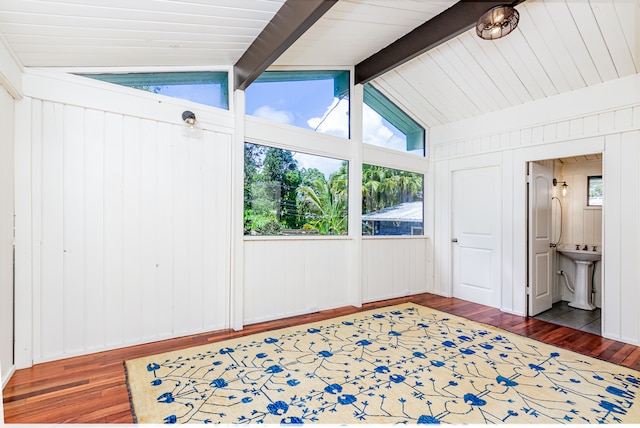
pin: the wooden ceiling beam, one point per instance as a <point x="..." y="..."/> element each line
<point x="452" y="22"/>
<point x="290" y="22"/>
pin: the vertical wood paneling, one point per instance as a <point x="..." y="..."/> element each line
<point x="149" y="228"/>
<point x="181" y="295"/>
<point x="73" y="228"/>
<point x="94" y="229"/>
<point x="166" y="152"/>
<point x="393" y="267"/>
<point x="113" y="230"/>
<point x="285" y="277"/>
<point x="195" y="237"/>
<point x="134" y="247"/>
<point x="217" y="257"/>
<point x="35" y="263"/>
<point x="52" y="257"/>
<point x="6" y="235"/>
<point x="131" y="230"/>
<point x="612" y="257"/>
<point x="630" y="224"/>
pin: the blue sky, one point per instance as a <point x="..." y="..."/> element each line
<point x="311" y="104"/>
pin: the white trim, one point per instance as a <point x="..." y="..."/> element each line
<point x="354" y="211"/>
<point x="26" y="263"/>
<point x="380" y="156"/>
<point x="236" y="297"/>
<point x="299" y="238"/>
<point x="520" y="230"/>
<point x="268" y="133"/>
<point x="10" y="70"/>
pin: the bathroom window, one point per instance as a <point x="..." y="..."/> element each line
<point x="594" y="196"/>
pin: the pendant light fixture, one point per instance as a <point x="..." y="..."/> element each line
<point x="497" y="22"/>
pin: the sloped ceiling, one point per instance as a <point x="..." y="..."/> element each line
<point x="132" y="33"/>
<point x="559" y="45"/>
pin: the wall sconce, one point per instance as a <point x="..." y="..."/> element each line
<point x="565" y="186"/>
<point x="191" y="128"/>
<point x="497" y="22"/>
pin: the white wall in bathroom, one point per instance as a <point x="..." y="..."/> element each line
<point x="581" y="224"/>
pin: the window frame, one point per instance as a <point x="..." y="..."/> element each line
<point x="127" y="79"/>
<point x="589" y="178"/>
<point x="309" y="73"/>
<point x="302" y="235"/>
<point x="414" y="132"/>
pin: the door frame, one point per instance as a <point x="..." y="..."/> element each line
<point x="517" y="299"/>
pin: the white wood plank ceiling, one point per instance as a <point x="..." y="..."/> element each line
<point x="136" y="33"/>
<point x="353" y="30"/>
<point x="559" y="45"/>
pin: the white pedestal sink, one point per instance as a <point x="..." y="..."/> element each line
<point x="583" y="259"/>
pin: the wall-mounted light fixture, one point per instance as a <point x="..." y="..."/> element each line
<point x="565" y="186"/>
<point x="497" y="22"/>
<point x="191" y="128"/>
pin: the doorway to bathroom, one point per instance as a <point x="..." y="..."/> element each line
<point x="565" y="199"/>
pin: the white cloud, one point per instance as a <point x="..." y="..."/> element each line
<point x="268" y="112"/>
<point x="335" y="120"/>
<point x="326" y="165"/>
<point x="375" y="132"/>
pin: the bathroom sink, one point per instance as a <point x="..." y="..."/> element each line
<point x="581" y="255"/>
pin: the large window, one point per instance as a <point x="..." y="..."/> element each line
<point x="292" y="193"/>
<point x="205" y="87"/>
<point x="392" y="201"/>
<point x="386" y="125"/>
<point x="317" y="100"/>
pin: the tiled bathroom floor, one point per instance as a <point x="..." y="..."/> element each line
<point x="563" y="314"/>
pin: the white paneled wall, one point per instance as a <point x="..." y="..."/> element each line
<point x="601" y="119"/>
<point x="394" y="267"/>
<point x="6" y="235"/>
<point x="289" y="276"/>
<point x="621" y="286"/>
<point x="129" y="224"/>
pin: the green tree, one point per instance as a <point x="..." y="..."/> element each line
<point x="280" y="168"/>
<point x="328" y="207"/>
<point x="384" y="187"/>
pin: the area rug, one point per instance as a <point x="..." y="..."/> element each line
<point x="400" y="364"/>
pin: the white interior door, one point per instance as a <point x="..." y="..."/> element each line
<point x="476" y="228"/>
<point x="540" y="256"/>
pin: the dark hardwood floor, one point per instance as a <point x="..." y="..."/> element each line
<point x="91" y="388"/>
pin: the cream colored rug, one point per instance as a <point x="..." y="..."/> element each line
<point x="400" y="364"/>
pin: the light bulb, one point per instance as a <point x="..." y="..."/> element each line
<point x="564" y="190"/>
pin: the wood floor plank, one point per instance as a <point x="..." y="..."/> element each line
<point x="92" y="388"/>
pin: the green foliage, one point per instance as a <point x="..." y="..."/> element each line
<point x="327" y="206"/>
<point x="280" y="196"/>
<point x="386" y="187"/>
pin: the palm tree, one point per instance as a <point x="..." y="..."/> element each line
<point x="328" y="206"/>
<point x="384" y="187"/>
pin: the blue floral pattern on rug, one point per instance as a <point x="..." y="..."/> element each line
<point x="404" y="364"/>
